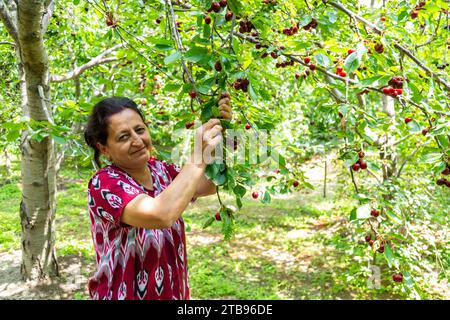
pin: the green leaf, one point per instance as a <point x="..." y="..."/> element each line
<point x="196" y="54"/>
<point x="352" y="62"/>
<point x="393" y="216"/>
<point x="239" y="190"/>
<point x="352" y="215"/>
<point x="323" y="60"/>
<point x="173" y="58"/>
<point x="235" y="6"/>
<point x="389" y="255"/>
<point x="265" y="197"/>
<point x="208" y="222"/>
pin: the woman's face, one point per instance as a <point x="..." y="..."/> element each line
<point x="128" y="144"/>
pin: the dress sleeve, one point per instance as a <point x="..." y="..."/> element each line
<point x="108" y="194"/>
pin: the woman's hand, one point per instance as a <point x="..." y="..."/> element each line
<point x="207" y="138"/>
<point x="225" y="106"/>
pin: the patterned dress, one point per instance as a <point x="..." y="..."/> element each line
<point x="134" y="263"/>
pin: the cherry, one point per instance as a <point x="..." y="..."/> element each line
<point x="383" y="18"/>
<point x="215" y="6"/>
<point x="189" y="125"/>
<point x="274" y="54"/>
<point x="446" y="171"/>
<point x="193" y="94"/>
<point x="295" y="184"/>
<point x="381" y="249"/>
<point x="379" y="48"/>
<point x="398" y="277"/>
<point x="414" y="14"/>
<point x="361" y="154"/>
<point x="248" y="126"/>
<point x="425" y="131"/>
<point x="218" y="217"/>
<point x="363" y="165"/>
<point x="368" y="238"/>
<point x="297" y="75"/>
<point x="374" y="213"/>
<point x="356" y="167"/>
<point x="350" y="51"/>
<point x="229" y="16"/>
<point x="398" y="91"/>
<point x="408" y="120"/>
<point x="218" y="66"/>
<point x="207" y="19"/>
<point x="312" y="67"/>
<point x="342" y="74"/>
<point x="307" y="60"/>
<point x="255" y="194"/>
<point x="223" y="3"/>
<point x="371" y="242"/>
<point x="258" y="46"/>
<point x="158" y="20"/>
<point x="441" y="182"/>
<point x="339" y="70"/>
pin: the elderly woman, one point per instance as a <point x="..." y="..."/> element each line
<point x="136" y="203"/>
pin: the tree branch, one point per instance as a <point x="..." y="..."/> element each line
<point x="47" y="16"/>
<point x="10" y="25"/>
<point x="100" y="59"/>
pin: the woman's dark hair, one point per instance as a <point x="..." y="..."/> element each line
<point x="97" y="125"/>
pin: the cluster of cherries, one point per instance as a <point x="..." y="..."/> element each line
<point x="340" y="72"/>
<point x="241" y="84"/>
<point x="395" y="87"/>
<point x="415" y="12"/>
<point x="444" y="181"/>
<point x="284" y="64"/>
<point x="360" y="164"/>
<point x="291" y="31"/>
<point x="246" y="26"/>
<point x="216" y="6"/>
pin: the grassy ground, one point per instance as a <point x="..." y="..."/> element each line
<point x="297" y="247"/>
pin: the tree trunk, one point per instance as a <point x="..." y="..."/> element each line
<point x="38" y="206"/>
<point x="7" y="164"/>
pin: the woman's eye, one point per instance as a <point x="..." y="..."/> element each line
<point x="122" y="137"/>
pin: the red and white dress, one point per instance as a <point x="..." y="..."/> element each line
<point x="134" y="263"/>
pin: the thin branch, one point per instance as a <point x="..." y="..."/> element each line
<point x="432" y="36"/>
<point x="10" y="25"/>
<point x="100" y="59"/>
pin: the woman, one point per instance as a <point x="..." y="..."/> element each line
<point x="135" y="204"/>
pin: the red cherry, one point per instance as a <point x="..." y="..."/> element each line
<point x="297" y="75"/>
<point x="207" y="19"/>
<point x="295" y="184"/>
<point x="255" y="194"/>
<point x="193" y="94"/>
<point x="356" y="167"/>
<point x="425" y="131"/>
<point x="229" y="16"/>
<point x="158" y="20"/>
<point x="446" y="171"/>
<point x="307" y="60"/>
<point x="368" y="238"/>
<point x="408" y="120"/>
<point x="248" y="126"/>
<point x="218" y="217"/>
<point x="414" y="14"/>
<point x="189" y="125"/>
<point x="342" y="74"/>
<point x="374" y="213"/>
<point x="274" y="54"/>
<point x="398" y="277"/>
<point x="339" y="70"/>
<point x="215" y="6"/>
<point x="441" y="182"/>
<point x="383" y="18"/>
<point x="371" y="242"/>
<point x="312" y="67"/>
<point x="398" y="91"/>
<point x="218" y="66"/>
<point x="363" y="165"/>
<point x="381" y="249"/>
<point x="350" y="51"/>
<point x="361" y="154"/>
<point x="223" y="3"/>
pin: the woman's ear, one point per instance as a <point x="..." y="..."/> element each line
<point x="103" y="149"/>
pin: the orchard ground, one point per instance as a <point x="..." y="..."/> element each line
<point x="298" y="246"/>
